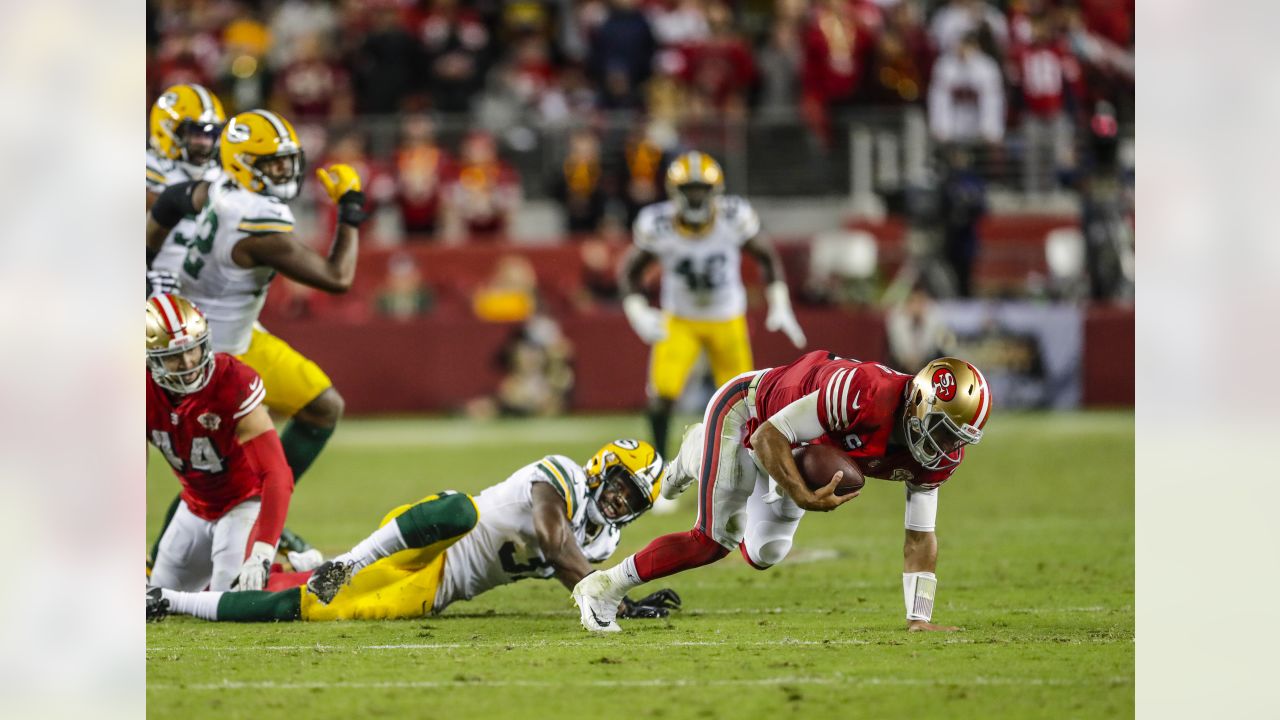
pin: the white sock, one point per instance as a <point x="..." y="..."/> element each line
<point x="624" y="575"/>
<point x="385" y="541"/>
<point x="203" y="605"/>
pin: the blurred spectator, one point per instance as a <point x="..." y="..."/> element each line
<point x="297" y="19"/>
<point x="837" y="53"/>
<point x="1106" y="211"/>
<point x="959" y="19"/>
<point x="961" y="204"/>
<point x="570" y="100"/>
<point x="422" y="172"/>
<point x="457" y="45"/>
<point x="621" y="59"/>
<point x="385" y="65"/>
<point x="536" y="362"/>
<point x="517" y="86"/>
<point x="903" y="57"/>
<point x="313" y="88"/>
<point x="510" y="295"/>
<point x="966" y="96"/>
<point x="780" y="61"/>
<point x="579" y="183"/>
<point x="246" y="42"/>
<point x="404" y="295"/>
<point x="678" y="22"/>
<point x="482" y="197"/>
<point x="599" y="274"/>
<point x="916" y="332"/>
<point x="721" y="69"/>
<point x="1047" y="77"/>
<point x="643" y="168"/>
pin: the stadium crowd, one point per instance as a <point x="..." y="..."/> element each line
<point x="1032" y="70"/>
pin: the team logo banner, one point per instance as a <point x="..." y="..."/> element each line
<point x="1030" y="353"/>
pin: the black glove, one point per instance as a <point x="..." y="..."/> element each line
<point x="162" y="282"/>
<point x="351" y="208"/>
<point x="657" y="605"/>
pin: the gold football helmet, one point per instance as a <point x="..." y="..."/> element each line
<point x="260" y="150"/>
<point x="176" y="327"/>
<point x="185" y="122"/>
<point x="694" y="180"/>
<point x="623" y="479"/>
<point x="948" y="403"/>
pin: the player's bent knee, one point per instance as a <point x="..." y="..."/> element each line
<point x="325" y="410"/>
<point x="447" y="516"/>
<point x="772" y="552"/>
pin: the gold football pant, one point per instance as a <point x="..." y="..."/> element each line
<point x="292" y="381"/>
<point x="726" y="343"/>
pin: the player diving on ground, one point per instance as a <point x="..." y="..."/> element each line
<point x="550" y="518"/>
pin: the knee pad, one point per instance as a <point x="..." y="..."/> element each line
<point x="766" y="553"/>
<point x="444" y="517"/>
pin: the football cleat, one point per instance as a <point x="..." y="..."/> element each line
<point x="157" y="605"/>
<point x="683" y="470"/>
<point x="597" y="600"/>
<point x="328" y="579"/>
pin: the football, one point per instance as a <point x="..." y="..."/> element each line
<point x="818" y="463"/>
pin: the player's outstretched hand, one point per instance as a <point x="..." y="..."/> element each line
<point x="253" y="574"/>
<point x="646" y="320"/>
<point x="825" y="499"/>
<point x="925" y="626"/>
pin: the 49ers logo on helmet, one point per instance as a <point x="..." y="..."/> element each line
<point x="944" y="384"/>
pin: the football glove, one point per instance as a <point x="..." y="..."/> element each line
<point x="780" y="316"/>
<point x="253" y="574"/>
<point x="306" y="560"/>
<point x="162" y="282"/>
<point x="342" y="184"/>
<point x="645" y="319"/>
<point x="657" y="605"/>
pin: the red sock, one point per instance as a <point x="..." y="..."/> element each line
<point x="673" y="553"/>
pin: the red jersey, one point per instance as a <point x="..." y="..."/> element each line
<point x="859" y="406"/>
<point x="197" y="434"/>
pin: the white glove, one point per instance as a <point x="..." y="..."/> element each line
<point x="253" y="574"/>
<point x="645" y="319"/>
<point x="780" y="316"/>
<point x="161" y="282"/>
<point x="304" y="561"/>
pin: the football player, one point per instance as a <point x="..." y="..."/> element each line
<point x="697" y="237"/>
<point x="241" y="236"/>
<point x="893" y="426"/>
<point x="205" y="414"/>
<point x="550" y="518"/>
<point x="182" y="146"/>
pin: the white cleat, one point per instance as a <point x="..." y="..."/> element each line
<point x="683" y="470"/>
<point x="597" y="602"/>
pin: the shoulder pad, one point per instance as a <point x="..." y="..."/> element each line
<point x="566" y="478"/>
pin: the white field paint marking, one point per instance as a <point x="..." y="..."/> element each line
<point x="641" y="683"/>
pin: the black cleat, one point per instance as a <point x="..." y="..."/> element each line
<point x="157" y="606"/>
<point x="292" y="541"/>
<point x="328" y="579"/>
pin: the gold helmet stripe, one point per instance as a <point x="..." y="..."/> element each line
<point x="279" y="126"/>
<point x="169" y="314"/>
<point x="206" y="104"/>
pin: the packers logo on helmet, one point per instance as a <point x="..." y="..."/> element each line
<point x="184" y="125"/>
<point x="948" y="403"/>
<point x="694" y="180"/>
<point x="261" y="152"/>
<point x="623" y="479"/>
<point x="176" y="328"/>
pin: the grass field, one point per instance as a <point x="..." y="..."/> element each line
<point x="1036" y="540"/>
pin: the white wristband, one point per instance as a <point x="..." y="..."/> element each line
<point x="918" y="590"/>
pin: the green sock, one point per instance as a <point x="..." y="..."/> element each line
<point x="302" y="443"/>
<point x="168" y="518"/>
<point x="260" y="606"/>
<point x="430" y="522"/>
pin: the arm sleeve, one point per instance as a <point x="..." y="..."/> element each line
<point x="643" y="234"/>
<point x="174" y="204"/>
<point x="922" y="508"/>
<point x="798" y="422"/>
<point x="265" y="456"/>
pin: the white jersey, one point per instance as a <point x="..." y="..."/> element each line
<point x="702" y="275"/>
<point x="161" y="173"/>
<point x="230" y="296"/>
<point x="503" y="546"/>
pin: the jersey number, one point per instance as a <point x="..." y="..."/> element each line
<point x="517" y="569"/>
<point x="203" y="456"/>
<point x="201" y="243"/>
<point x="709" y="277"/>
